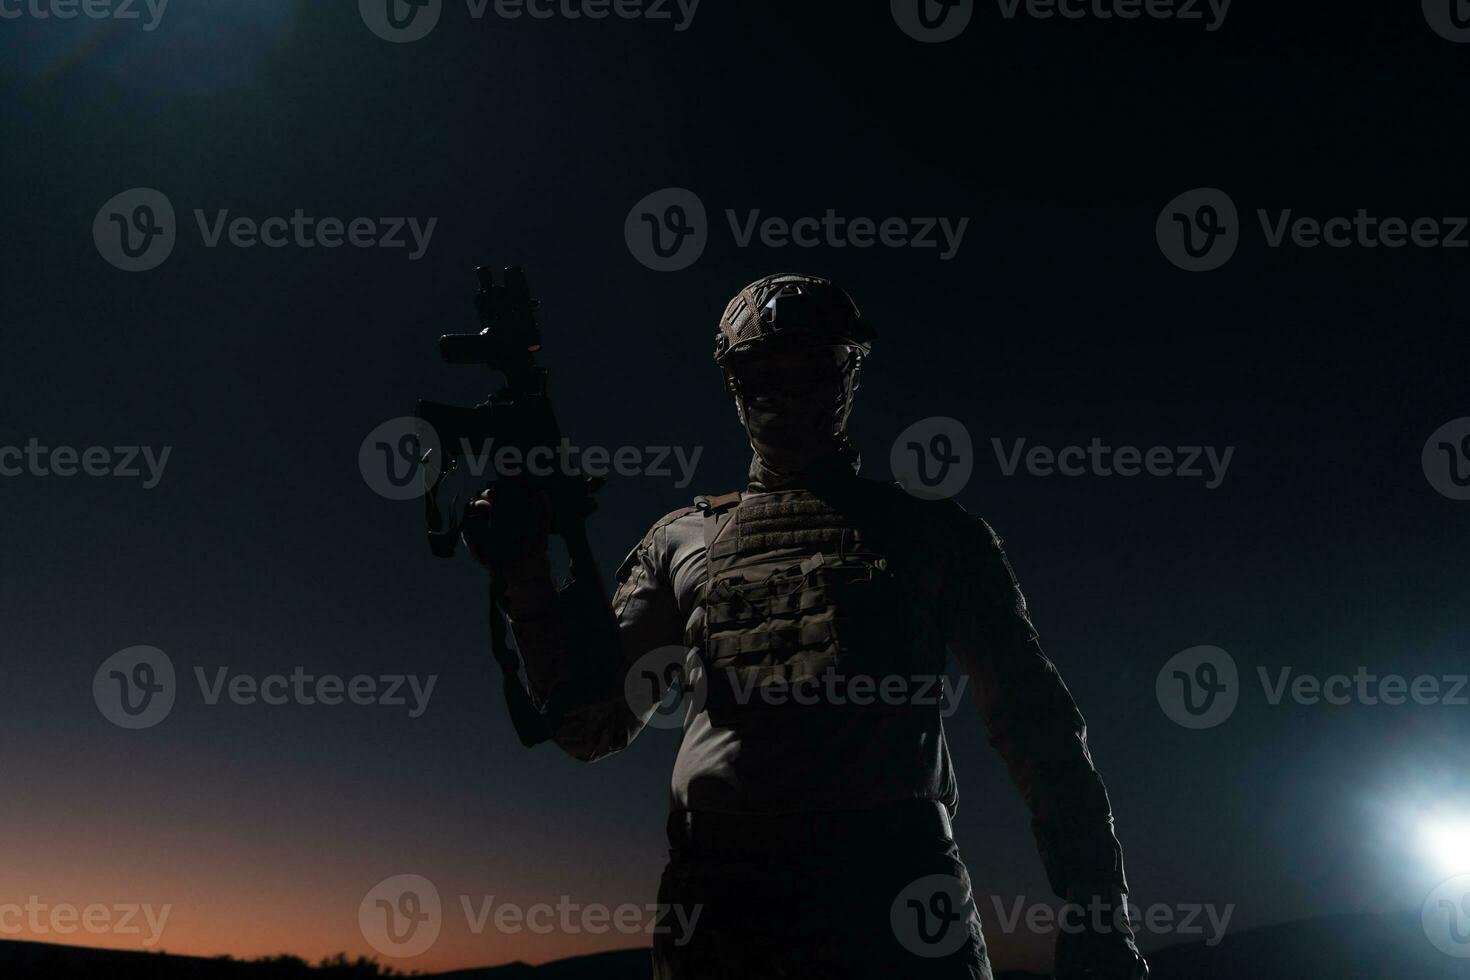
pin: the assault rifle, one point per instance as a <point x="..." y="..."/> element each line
<point x="517" y="416"/>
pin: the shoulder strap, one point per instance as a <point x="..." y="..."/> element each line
<point x="716" y="511"/>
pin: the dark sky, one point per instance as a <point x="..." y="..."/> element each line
<point x="262" y="548"/>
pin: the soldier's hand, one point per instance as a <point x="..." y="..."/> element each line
<point x="507" y="522"/>
<point x="1103" y="948"/>
<point x="1090" y="956"/>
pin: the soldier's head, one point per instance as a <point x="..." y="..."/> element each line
<point x="791" y="348"/>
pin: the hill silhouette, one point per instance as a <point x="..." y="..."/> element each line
<point x="1341" y="947"/>
<point x="1344" y="947"/>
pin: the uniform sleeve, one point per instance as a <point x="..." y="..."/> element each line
<point x="1030" y="717"/>
<point x="577" y="660"/>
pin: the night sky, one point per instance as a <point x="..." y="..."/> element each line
<point x="262" y="548"/>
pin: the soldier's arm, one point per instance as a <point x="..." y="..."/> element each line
<point x="1031" y="719"/>
<point x="575" y="658"/>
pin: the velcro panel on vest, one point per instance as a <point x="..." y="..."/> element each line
<point x="796" y="592"/>
<point x="752" y="648"/>
<point x="785" y="522"/>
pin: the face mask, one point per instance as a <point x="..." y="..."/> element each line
<point x="794" y="403"/>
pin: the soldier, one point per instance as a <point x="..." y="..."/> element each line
<point x="812" y="797"/>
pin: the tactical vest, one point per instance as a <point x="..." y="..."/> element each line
<point x="802" y="587"/>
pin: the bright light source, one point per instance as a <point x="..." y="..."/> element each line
<point x="1446" y="843"/>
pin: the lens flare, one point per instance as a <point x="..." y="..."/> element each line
<point x="1445" y="842"/>
<point x="152" y="45"/>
